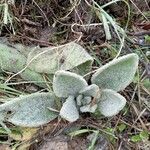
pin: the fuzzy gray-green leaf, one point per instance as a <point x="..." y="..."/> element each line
<point x="66" y="83"/>
<point x="70" y="56"/>
<point x="30" y="110"/>
<point x="117" y="74"/>
<point x="111" y="103"/>
<point x="34" y="77"/>
<point x="86" y="100"/>
<point x="79" y="100"/>
<point x="10" y="59"/>
<point x="69" y="110"/>
<point x="88" y="108"/>
<point x="92" y="90"/>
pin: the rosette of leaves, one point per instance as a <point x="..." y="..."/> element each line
<point x="101" y="94"/>
<point x="40" y="108"/>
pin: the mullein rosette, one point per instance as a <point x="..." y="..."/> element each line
<point x="101" y="94"/>
<point x="37" y="109"/>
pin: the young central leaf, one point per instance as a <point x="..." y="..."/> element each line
<point x="69" y="110"/>
<point x="92" y="90"/>
<point x="30" y="110"/>
<point x="88" y="108"/>
<point x="66" y="83"/>
<point x="117" y="74"/>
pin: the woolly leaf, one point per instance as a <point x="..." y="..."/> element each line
<point x="86" y="100"/>
<point x="117" y="74"/>
<point x="10" y="59"/>
<point x="83" y="68"/>
<point x="34" y="77"/>
<point x="79" y="100"/>
<point x="67" y="57"/>
<point x="111" y="103"/>
<point x="69" y="110"/>
<point x="29" y="110"/>
<point x="92" y="90"/>
<point x="66" y="83"/>
<point x="83" y="100"/>
<point x="88" y="108"/>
